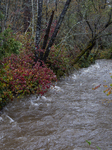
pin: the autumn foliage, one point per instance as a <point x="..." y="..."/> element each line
<point x="19" y="75"/>
<point x="108" y="90"/>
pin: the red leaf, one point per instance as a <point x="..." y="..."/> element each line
<point x="96" y="87"/>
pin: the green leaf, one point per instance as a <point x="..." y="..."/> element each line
<point x="111" y="84"/>
<point x="98" y="148"/>
<point x="89" y="142"/>
<point x="0" y="99"/>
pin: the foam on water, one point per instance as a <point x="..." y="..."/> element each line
<point x="91" y="69"/>
<point x="10" y="119"/>
<point x="1" y="119"/>
<point x="21" y="138"/>
<point x="33" y="103"/>
<point x="74" y="77"/>
<point x="56" y="88"/>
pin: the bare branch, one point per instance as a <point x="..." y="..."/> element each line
<point x="56" y="29"/>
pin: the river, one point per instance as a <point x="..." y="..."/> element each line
<point x="65" y="117"/>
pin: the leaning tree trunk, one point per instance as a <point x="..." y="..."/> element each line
<point x="88" y="48"/>
<point x="92" y="42"/>
<point x="46" y="36"/>
<point x="51" y="42"/>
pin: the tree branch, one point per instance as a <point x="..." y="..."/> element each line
<point x="56" y="29"/>
<point x="47" y="34"/>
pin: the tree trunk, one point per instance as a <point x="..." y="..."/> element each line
<point x="51" y="42"/>
<point x="32" y="17"/>
<point x="89" y="47"/>
<point x="27" y="14"/>
<point x="47" y="35"/>
<point x="92" y="42"/>
<point x="6" y="13"/>
<point x="38" y="29"/>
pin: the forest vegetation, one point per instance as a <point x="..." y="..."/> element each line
<point x="42" y="40"/>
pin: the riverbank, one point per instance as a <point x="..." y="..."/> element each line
<point x="20" y="75"/>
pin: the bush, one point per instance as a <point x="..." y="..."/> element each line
<point x="19" y="76"/>
<point x="83" y="63"/>
<point x="105" y="53"/>
<point x="59" y="61"/>
<point x="8" y="44"/>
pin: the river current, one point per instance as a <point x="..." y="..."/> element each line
<point x="70" y="113"/>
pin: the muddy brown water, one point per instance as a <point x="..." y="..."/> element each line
<point x="65" y="117"/>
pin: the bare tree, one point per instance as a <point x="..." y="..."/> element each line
<point x="98" y="26"/>
<point x="91" y="22"/>
<point x="27" y="14"/>
<point x="51" y="42"/>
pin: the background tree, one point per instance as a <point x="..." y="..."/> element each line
<point x="27" y="14"/>
<point x="85" y="23"/>
<point x="90" y="24"/>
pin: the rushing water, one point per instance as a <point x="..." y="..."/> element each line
<point x="69" y="114"/>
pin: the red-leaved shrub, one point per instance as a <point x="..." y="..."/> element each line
<point x="19" y="75"/>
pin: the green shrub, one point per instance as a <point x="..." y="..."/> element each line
<point x="8" y="44"/>
<point x="83" y="63"/>
<point x="105" y="54"/>
<point x="59" y="61"/>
